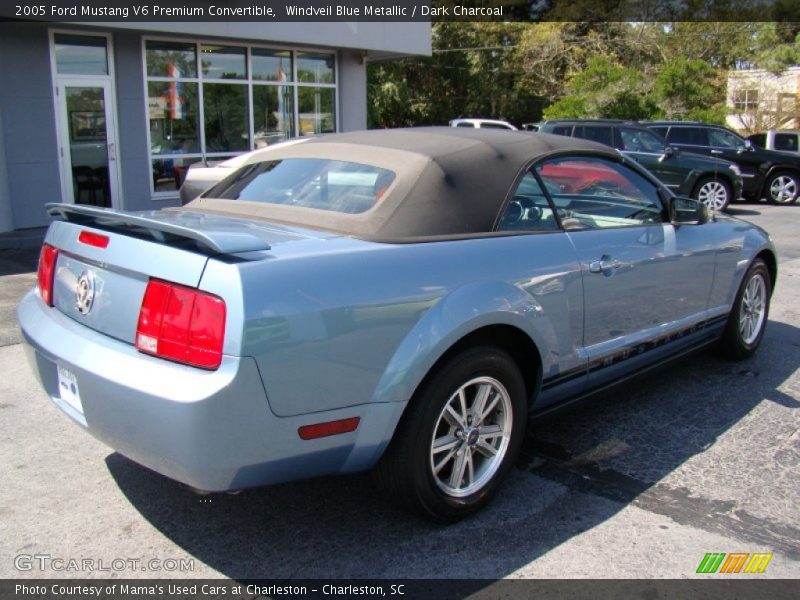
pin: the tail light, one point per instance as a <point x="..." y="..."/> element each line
<point x="182" y="324"/>
<point x="47" y="268"/>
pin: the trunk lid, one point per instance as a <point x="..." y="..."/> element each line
<point x="102" y="287"/>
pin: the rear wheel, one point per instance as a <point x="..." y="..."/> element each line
<point x="460" y="435"/>
<point x="748" y="319"/>
<point x="783" y="188"/>
<point x="715" y="193"/>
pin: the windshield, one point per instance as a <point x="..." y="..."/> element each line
<point x="333" y="185"/>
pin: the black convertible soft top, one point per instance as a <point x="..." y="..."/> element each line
<point x="451" y="182"/>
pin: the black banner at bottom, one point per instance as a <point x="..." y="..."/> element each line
<point x="722" y="587"/>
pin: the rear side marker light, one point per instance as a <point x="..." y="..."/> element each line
<point x="182" y="324"/>
<point x="318" y="430"/>
<point x="93" y="239"/>
<point x="46" y="273"/>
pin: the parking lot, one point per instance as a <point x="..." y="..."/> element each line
<point x="702" y="458"/>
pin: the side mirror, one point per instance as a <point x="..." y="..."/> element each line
<point x="748" y="147"/>
<point x="687" y="211"/>
<point x="669" y="152"/>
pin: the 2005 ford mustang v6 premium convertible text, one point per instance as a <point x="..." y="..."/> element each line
<point x="396" y="300"/>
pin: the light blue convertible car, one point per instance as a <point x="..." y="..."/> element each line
<point x="397" y="300"/>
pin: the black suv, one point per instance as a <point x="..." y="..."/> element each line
<point x="767" y="173"/>
<point x="712" y="181"/>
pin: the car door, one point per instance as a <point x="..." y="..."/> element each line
<point x="647" y="148"/>
<point x="726" y="144"/>
<point x="645" y="280"/>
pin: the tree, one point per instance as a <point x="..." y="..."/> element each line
<point x="689" y="89"/>
<point x="605" y="89"/>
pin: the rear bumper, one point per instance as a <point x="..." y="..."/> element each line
<point x="211" y="430"/>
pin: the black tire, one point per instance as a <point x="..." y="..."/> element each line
<point x="405" y="472"/>
<point x="784" y="180"/>
<point x="720" y="185"/>
<point x="733" y="344"/>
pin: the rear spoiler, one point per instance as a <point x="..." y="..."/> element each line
<point x="216" y="241"/>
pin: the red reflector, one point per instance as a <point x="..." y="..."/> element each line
<point x="181" y="324"/>
<point x="47" y="269"/>
<point x="318" y="430"/>
<point x="93" y="239"/>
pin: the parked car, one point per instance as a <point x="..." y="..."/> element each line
<point x="482" y="124"/>
<point x="783" y="140"/>
<point x="712" y="181"/>
<point x="395" y="300"/>
<point x="767" y="174"/>
<point x="530" y="126"/>
<point x="201" y="176"/>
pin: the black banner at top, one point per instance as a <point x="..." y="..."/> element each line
<point x="399" y="10"/>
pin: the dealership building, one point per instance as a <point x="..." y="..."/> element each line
<point x="114" y="115"/>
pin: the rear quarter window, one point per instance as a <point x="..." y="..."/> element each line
<point x="562" y="130"/>
<point x="324" y="184"/>
<point x="695" y="136"/>
<point x="595" y="133"/>
<point x="786" y="142"/>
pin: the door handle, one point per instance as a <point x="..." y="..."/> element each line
<point x="112" y="152"/>
<point x="606" y="265"/>
<point x="716" y="152"/>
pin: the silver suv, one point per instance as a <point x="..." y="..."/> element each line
<point x="785" y="140"/>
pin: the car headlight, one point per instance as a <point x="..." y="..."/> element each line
<point x="735" y="169"/>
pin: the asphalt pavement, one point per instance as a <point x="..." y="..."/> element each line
<point x="701" y="458"/>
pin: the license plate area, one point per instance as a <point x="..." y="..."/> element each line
<point x="68" y="391"/>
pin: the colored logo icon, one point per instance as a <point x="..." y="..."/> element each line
<point x="735" y="562"/>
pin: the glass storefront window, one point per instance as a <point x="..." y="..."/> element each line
<point x="273" y="114"/>
<point x="316" y="108"/>
<point x="172" y="112"/>
<point x="209" y="100"/>
<point x="169" y="173"/>
<point x="271" y="65"/>
<point x="223" y="62"/>
<point x="80" y="54"/>
<point x="225" y="115"/>
<point x="171" y="59"/>
<point x="315" y="67"/>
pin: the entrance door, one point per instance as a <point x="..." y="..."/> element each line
<point x="88" y="151"/>
<point x="82" y="66"/>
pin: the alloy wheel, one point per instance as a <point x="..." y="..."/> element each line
<point x="471" y="437"/>
<point x="752" y="310"/>
<point x="783" y="189"/>
<point x="714" y="195"/>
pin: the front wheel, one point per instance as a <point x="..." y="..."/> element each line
<point x="783" y="188"/>
<point x="460" y="435"/>
<point x="748" y="319"/>
<point x="716" y="194"/>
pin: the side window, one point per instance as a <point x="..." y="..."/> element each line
<point x="465" y="124"/>
<point x="786" y="141"/>
<point x="639" y="140"/>
<point x="593" y="193"/>
<point x="724" y="139"/>
<point x="595" y="133"/>
<point x="760" y="139"/>
<point x="563" y="130"/>
<point x="662" y="131"/>
<point x="528" y="209"/>
<point x="688" y="135"/>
